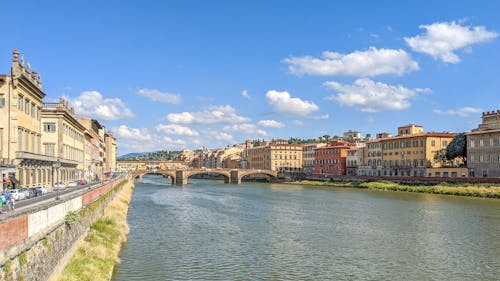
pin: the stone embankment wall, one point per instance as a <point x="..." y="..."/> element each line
<point x="33" y="243"/>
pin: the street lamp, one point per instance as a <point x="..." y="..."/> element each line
<point x="57" y="165"/>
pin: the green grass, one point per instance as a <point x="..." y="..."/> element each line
<point x="99" y="252"/>
<point x="462" y="189"/>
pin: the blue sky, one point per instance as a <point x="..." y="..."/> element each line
<point x="187" y="74"/>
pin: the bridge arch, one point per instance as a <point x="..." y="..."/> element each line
<point x="225" y="174"/>
<point x="242" y="173"/>
<point x="165" y="174"/>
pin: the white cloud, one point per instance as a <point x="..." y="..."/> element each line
<point x="220" y="136"/>
<point x="370" y="96"/>
<point x="123" y="131"/>
<point x="297" y="123"/>
<point x="284" y="104"/>
<point x="441" y="39"/>
<point x="177" y="143"/>
<point x="371" y="62"/>
<point x="461" y="112"/>
<point x="93" y="104"/>
<point x="245" y="94"/>
<point x="225" y="114"/>
<point x="247" y="129"/>
<point x="177" y="130"/>
<point x="320" y="117"/>
<point x="271" y="124"/>
<point x="160" y="96"/>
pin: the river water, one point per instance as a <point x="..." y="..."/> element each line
<point x="209" y="230"/>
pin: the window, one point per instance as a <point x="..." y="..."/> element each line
<point x="2" y="100"/>
<point x="39" y="113"/>
<point x="27" y="147"/>
<point x="433" y="143"/>
<point x="33" y="111"/>
<point x="20" y="139"/>
<point x="27" y="106"/>
<point x="472" y="143"/>
<point x="481" y="143"/>
<point x="444" y="143"/>
<point x="49" y="127"/>
<point x="20" y="104"/>
<point x="32" y="143"/>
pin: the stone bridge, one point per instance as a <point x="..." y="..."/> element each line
<point x="180" y="177"/>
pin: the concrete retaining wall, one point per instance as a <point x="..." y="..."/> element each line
<point x="33" y="243"/>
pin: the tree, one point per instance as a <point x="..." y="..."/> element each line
<point x="440" y="157"/>
<point x="457" y="148"/>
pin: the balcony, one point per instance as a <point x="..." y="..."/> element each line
<point x="33" y="156"/>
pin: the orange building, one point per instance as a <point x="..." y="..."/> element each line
<point x="330" y="160"/>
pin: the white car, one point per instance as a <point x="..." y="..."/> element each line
<point x="17" y="194"/>
<point x="59" y="185"/>
<point x="73" y="183"/>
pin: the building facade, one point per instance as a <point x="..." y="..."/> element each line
<point x="277" y="155"/>
<point x="308" y="157"/>
<point x="110" y="159"/>
<point x="21" y="97"/>
<point x="331" y="160"/>
<point x="483" y="147"/>
<point x="63" y="138"/>
<point x="412" y="151"/>
<point x="94" y="142"/>
<point x="354" y="159"/>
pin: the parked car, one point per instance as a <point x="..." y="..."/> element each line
<point x="59" y="185"/>
<point x="17" y="194"/>
<point x="28" y="192"/>
<point x="40" y="190"/>
<point x="82" y="182"/>
<point x="73" y="183"/>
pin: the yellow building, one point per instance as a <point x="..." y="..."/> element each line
<point x="412" y="151"/>
<point x="63" y="138"/>
<point x="21" y="97"/>
<point x="277" y="155"/>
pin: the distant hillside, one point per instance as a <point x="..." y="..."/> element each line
<point x="157" y="155"/>
<point x="132" y="155"/>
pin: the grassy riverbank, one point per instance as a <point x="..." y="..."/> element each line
<point x="475" y="190"/>
<point x="99" y="252"/>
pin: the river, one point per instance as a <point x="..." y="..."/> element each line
<point x="209" y="230"/>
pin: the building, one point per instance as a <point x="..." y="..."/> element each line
<point x="412" y="151"/>
<point x="372" y="158"/>
<point x="483" y="147"/>
<point x="134" y="165"/>
<point x="308" y="155"/>
<point x="110" y="160"/>
<point x="63" y="138"/>
<point x="352" y="135"/>
<point x="21" y="156"/>
<point x="331" y="160"/>
<point x="94" y="132"/>
<point x="277" y="155"/>
<point x="354" y="159"/>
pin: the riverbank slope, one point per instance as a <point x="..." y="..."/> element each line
<point x="99" y="251"/>
<point x="474" y="190"/>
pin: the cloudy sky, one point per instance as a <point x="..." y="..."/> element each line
<point x="187" y="74"/>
